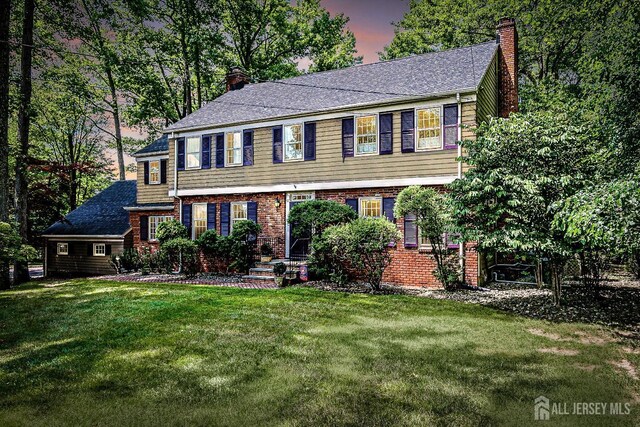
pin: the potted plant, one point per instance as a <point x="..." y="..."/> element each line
<point x="266" y="252"/>
<point x="279" y="271"/>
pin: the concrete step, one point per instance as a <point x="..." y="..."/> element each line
<point x="255" y="277"/>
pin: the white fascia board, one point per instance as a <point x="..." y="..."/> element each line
<point x="157" y="155"/>
<point x="313" y="186"/>
<point x="148" y="208"/>
<point x="373" y="108"/>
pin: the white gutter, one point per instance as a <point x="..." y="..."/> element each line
<point x="175" y="174"/>
<point x="148" y="208"/>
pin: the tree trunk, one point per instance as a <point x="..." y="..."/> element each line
<point x="538" y="274"/>
<point x="116" y="122"/>
<point x="73" y="175"/>
<point x="5" y="13"/>
<point x="556" y="283"/>
<point x="21" y="269"/>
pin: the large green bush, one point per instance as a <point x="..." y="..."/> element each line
<point x="363" y="246"/>
<point x="171" y="229"/>
<point x="243" y="245"/>
<point x="317" y="215"/>
<point x="183" y="254"/>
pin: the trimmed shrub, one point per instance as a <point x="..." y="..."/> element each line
<point x="317" y="215"/>
<point x="183" y="254"/>
<point x="171" y="229"/>
<point x="129" y="260"/>
<point x="363" y="246"/>
<point x="243" y="245"/>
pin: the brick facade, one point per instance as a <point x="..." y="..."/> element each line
<point x="508" y="66"/>
<point x="410" y="266"/>
<point x="134" y="220"/>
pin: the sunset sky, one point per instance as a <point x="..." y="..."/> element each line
<point x="370" y="21"/>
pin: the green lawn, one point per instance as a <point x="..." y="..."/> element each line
<point x="86" y="352"/>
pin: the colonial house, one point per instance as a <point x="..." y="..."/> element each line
<point x="357" y="135"/>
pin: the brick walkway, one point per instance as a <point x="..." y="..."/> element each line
<point x="230" y="282"/>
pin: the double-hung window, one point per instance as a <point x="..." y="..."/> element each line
<point x="99" y="249"/>
<point x="428" y="135"/>
<point x="199" y="212"/>
<point x="193" y="152"/>
<point x="233" y="148"/>
<point x="238" y="213"/>
<point x="293" y="142"/>
<point x="154" y="222"/>
<point x="154" y="172"/>
<point x="63" y="249"/>
<point x="370" y="207"/>
<point x="366" y="135"/>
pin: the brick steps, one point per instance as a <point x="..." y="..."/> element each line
<point x="264" y="270"/>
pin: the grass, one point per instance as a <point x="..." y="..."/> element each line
<point x="86" y="352"/>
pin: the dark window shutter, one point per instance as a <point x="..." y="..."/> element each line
<point x="387" y="207"/>
<point x="163" y="171"/>
<point x="252" y="211"/>
<point x="450" y="126"/>
<point x="180" y="155"/>
<point x="407" y="119"/>
<point x="386" y="133"/>
<point x="89" y="249"/>
<point x="247" y="144"/>
<point x="410" y="232"/>
<point x="277" y="144"/>
<point x="144" y="228"/>
<point x="206" y="151"/>
<point x="353" y="203"/>
<point x="220" y="150"/>
<point x="107" y="250"/>
<point x="211" y="216"/>
<point x="225" y="218"/>
<point x="309" y="141"/>
<point x="146" y="173"/>
<point x="347" y="137"/>
<point x="186" y="218"/>
<point x="451" y="240"/>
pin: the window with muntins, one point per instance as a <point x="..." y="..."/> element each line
<point x="99" y="249"/>
<point x="293" y="142"/>
<point x="233" y="148"/>
<point x="154" y="222"/>
<point x="193" y="152"/>
<point x="199" y="219"/>
<point x="371" y="207"/>
<point x="238" y="213"/>
<point x="63" y="249"/>
<point x="366" y="135"/>
<point x="154" y="172"/>
<point x="428" y="135"/>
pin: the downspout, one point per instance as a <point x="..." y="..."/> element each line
<point x="461" y="246"/>
<point x="175" y="188"/>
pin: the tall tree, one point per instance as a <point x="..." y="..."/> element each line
<point x="5" y="14"/>
<point x="21" y="268"/>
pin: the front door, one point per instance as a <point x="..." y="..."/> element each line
<point x="297" y="246"/>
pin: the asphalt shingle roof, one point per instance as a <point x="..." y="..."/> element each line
<point x="103" y="214"/>
<point x="159" y="145"/>
<point x="420" y="75"/>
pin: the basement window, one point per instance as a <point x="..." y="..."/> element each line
<point x="63" y="249"/>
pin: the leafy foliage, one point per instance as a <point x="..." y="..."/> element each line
<point x="171" y="229"/>
<point x="183" y="254"/>
<point x="243" y="239"/>
<point x="11" y="247"/>
<point x="433" y="219"/>
<point x="128" y="260"/>
<point x="317" y="215"/>
<point x="363" y="245"/>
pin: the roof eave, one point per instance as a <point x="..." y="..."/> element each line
<point x="148" y="208"/>
<point x="152" y="153"/>
<point x="327" y="110"/>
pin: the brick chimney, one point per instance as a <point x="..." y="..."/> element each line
<point x="508" y="66"/>
<point x="236" y="79"/>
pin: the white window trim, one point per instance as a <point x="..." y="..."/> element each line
<point x="284" y="144"/>
<point x="231" y="205"/>
<point x="96" y="245"/>
<point x="186" y="153"/>
<point x="360" y="211"/>
<point x="355" y="134"/>
<point x="440" y="107"/>
<point x="167" y="218"/>
<point x="193" y="218"/>
<point x="59" y="245"/>
<point x="159" y="172"/>
<point x="226" y="163"/>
